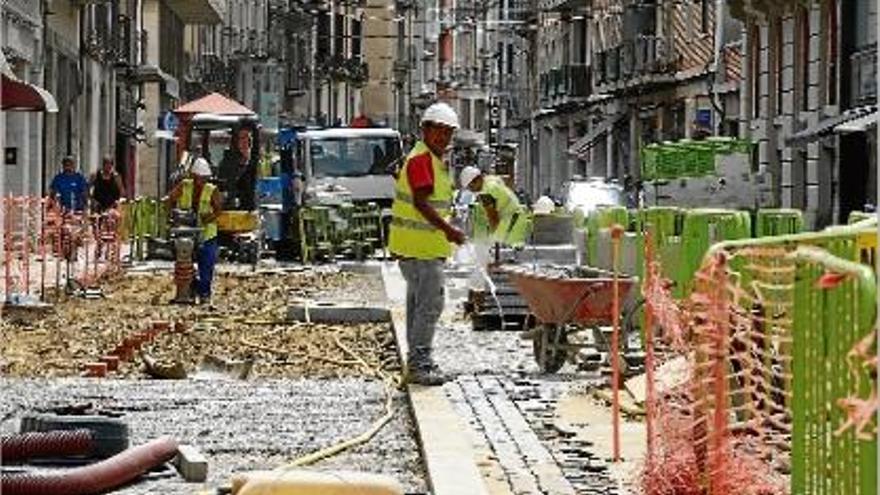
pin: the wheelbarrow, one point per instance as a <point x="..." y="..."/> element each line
<point x="566" y="300"/>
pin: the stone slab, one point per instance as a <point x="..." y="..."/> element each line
<point x="191" y="464"/>
<point x="448" y="454"/>
<point x="361" y="267"/>
<point x="320" y="312"/>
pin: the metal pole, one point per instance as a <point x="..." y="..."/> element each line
<point x="616" y="234"/>
<point x="401" y="63"/>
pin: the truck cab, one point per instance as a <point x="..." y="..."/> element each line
<point x="357" y="165"/>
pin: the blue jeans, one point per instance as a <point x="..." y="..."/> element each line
<point x="206" y="259"/>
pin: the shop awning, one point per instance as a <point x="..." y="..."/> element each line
<point x="860" y="124"/>
<point x="214" y="103"/>
<point x="21" y="96"/>
<point x="845" y="122"/>
<point x="583" y="145"/>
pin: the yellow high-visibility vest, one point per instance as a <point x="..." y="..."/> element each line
<point x="412" y="236"/>
<point x="185" y="202"/>
<point x="514" y="223"/>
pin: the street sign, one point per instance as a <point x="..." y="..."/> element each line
<point x="170" y="121"/>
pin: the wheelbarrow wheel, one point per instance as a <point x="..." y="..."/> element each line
<point x="550" y="349"/>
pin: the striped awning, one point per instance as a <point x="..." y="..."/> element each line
<point x="831" y="125"/>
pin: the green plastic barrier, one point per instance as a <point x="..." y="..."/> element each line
<point x="772" y="222"/>
<point x="665" y="224"/>
<point x="602" y="218"/>
<point x="687" y="158"/>
<point x="701" y="229"/>
<point x="827" y="323"/>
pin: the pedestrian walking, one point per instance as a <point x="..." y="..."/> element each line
<point x="106" y="186"/>
<point x="199" y="195"/>
<point x="106" y="191"/>
<point x="69" y="188"/>
<point x="421" y="238"/>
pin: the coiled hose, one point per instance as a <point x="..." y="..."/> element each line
<point x="93" y="479"/>
<point x="36" y="445"/>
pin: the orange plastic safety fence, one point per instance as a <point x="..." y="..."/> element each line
<point x="861" y="411"/>
<point x="725" y="428"/>
<point x="43" y="245"/>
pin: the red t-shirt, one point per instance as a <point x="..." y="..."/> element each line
<point x="420" y="172"/>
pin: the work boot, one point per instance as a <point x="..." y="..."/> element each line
<point x="428" y="376"/>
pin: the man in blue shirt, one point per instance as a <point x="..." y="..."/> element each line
<point x="70" y="187"/>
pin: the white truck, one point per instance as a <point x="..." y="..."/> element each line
<point x="349" y="164"/>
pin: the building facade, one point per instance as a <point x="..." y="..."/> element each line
<point x="21" y="39"/>
<point x="611" y="76"/>
<point x="810" y="69"/>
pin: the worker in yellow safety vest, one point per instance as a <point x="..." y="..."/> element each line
<point x="421" y="238"/>
<point x="509" y="222"/>
<point x="196" y="193"/>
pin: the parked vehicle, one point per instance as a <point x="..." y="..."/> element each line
<point x="357" y="164"/>
<point x="585" y="195"/>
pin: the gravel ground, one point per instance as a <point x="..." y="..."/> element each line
<point x="246" y="322"/>
<point x="240" y="425"/>
<point x="260" y="423"/>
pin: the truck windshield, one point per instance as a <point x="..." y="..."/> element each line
<point x="354" y="156"/>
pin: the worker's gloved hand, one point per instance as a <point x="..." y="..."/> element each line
<point x="455" y="235"/>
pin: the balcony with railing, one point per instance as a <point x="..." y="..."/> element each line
<point x="863" y="77"/>
<point x="644" y="59"/>
<point x="565" y="84"/>
<point x="578" y="83"/>
<point x="124" y="52"/>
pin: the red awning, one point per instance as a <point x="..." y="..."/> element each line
<point x="214" y="103"/>
<point x="21" y="96"/>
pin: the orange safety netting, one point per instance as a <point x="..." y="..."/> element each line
<point x="726" y="428"/>
<point x="861" y="411"/>
<point x="45" y="247"/>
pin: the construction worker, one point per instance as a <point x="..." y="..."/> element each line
<point x="207" y="206"/>
<point x="508" y="221"/>
<point x="421" y="238"/>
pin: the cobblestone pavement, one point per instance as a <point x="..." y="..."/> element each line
<point x="240" y="426"/>
<point x="523" y="445"/>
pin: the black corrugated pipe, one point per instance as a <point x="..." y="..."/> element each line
<point x="35" y="445"/>
<point x="93" y="479"/>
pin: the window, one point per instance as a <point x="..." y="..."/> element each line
<point x="831" y="58"/>
<point x="353" y="157"/>
<point x="339" y="35"/>
<point x="704" y="17"/>
<point x="755" y="68"/>
<point x="779" y="62"/>
<point x="356" y="33"/>
<point x="803" y="51"/>
<point x="323" y="49"/>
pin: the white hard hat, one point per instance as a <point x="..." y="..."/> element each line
<point x="468" y="174"/>
<point x="442" y="114"/>
<point x="201" y="167"/>
<point x="544" y="206"/>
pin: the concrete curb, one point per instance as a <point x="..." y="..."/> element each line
<point x="321" y="312"/>
<point x="448" y="453"/>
